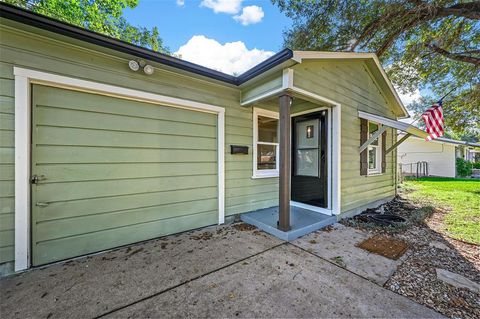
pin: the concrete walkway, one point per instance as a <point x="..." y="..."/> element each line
<point x="340" y="246"/>
<point x="223" y="271"/>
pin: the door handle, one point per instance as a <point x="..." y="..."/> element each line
<point x="42" y="204"/>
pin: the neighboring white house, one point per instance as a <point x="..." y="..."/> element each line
<point x="439" y="154"/>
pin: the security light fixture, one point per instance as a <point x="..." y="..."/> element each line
<point x="148" y="69"/>
<point x="133" y="65"/>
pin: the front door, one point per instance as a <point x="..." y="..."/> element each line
<point x="309" y="158"/>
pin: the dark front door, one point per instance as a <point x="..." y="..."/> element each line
<point x="309" y="159"/>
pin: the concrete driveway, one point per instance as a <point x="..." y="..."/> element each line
<point x="224" y="271"/>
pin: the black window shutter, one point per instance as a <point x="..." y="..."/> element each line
<point x="364" y="154"/>
<point x="384" y="148"/>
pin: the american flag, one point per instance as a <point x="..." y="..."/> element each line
<point x="433" y="118"/>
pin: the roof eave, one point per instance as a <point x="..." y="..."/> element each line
<point x="46" y="23"/>
<point x="401" y="126"/>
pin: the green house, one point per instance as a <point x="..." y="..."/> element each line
<point x="104" y="144"/>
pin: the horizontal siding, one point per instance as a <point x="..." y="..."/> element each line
<point x="123" y="171"/>
<point x="266" y="85"/>
<point x="53" y="229"/>
<point x="53" y="55"/>
<point x="125" y="235"/>
<point x="56" y="57"/>
<point x="122" y="187"/>
<point x="313" y="75"/>
<point x="74" y="148"/>
<point x="344" y="82"/>
<point x="351" y="85"/>
<point x="7" y="169"/>
<point x="7" y="253"/>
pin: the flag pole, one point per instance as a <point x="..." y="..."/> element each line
<point x="448" y="93"/>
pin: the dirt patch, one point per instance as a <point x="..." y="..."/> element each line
<point x="384" y="246"/>
<point x="328" y="228"/>
<point x="244" y="227"/>
<point x="203" y="236"/>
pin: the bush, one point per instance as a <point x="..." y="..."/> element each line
<point x="476" y="165"/>
<point x="464" y="168"/>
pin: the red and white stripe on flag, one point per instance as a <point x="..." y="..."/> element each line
<point x="433" y="118"/>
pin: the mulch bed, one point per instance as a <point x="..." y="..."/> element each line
<point x="429" y="249"/>
<point x="384" y="246"/>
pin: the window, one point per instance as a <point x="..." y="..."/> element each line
<point x="265" y="143"/>
<point x="374" y="150"/>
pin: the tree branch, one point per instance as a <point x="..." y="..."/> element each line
<point x="373" y="27"/>
<point x="454" y="56"/>
<point x="469" y="10"/>
<point x="415" y="16"/>
<point x="387" y="43"/>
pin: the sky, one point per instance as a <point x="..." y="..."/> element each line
<point x="227" y="35"/>
<point x="231" y="36"/>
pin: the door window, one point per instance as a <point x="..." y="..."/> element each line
<point x="307" y="148"/>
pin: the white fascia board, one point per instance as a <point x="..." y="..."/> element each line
<point x="405" y="127"/>
<point x="301" y="55"/>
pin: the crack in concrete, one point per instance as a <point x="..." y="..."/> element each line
<point x="185" y="282"/>
<point x="336" y="265"/>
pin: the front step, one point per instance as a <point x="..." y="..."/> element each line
<point x="302" y="221"/>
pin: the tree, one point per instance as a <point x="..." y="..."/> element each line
<point x="433" y="45"/>
<point x="103" y="16"/>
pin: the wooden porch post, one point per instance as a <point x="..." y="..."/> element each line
<point x="284" y="161"/>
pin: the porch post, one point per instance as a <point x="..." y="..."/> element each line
<point x="285" y="162"/>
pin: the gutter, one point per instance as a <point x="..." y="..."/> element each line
<point x="17" y="14"/>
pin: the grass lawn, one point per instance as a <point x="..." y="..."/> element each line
<point x="460" y="198"/>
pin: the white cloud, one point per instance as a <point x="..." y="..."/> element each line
<point x="223" y="6"/>
<point x="250" y="15"/>
<point x="408" y="98"/>
<point x="230" y="58"/>
<point x="180" y="3"/>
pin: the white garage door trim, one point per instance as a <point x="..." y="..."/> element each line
<point x="23" y="80"/>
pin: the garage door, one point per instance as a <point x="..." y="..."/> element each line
<point x="113" y="171"/>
